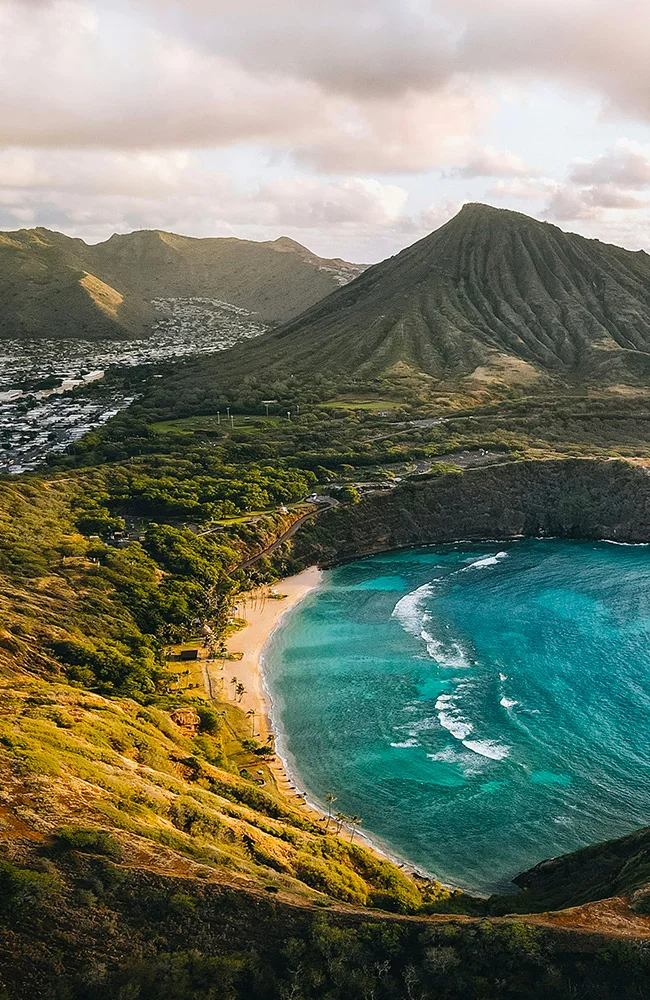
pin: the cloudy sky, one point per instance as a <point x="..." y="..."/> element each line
<point x="354" y="126"/>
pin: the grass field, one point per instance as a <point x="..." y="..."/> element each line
<point x="192" y="425"/>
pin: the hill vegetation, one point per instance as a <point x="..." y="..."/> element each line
<point x="54" y="286"/>
<point x="491" y="297"/>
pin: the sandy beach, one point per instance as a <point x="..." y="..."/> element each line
<point x="262" y="609"/>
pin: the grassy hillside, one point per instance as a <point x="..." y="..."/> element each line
<point x="616" y="868"/>
<point x="145" y="849"/>
<point x="492" y="294"/>
<point x="54" y="286"/>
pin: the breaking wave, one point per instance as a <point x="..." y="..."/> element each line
<point x="409" y="610"/>
<point x="485" y="561"/>
<point x="451" y="719"/>
<point x="446" y="654"/>
<point x="486" y="748"/>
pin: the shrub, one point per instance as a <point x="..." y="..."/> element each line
<point x="88" y="841"/>
<point x="331" y="877"/>
<point x="210" y="720"/>
<point x="22" y="887"/>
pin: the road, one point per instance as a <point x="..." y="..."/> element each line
<point x="325" y="503"/>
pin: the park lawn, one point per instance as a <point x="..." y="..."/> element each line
<point x="192" y="425"/>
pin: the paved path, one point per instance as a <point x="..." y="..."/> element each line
<point x="327" y="503"/>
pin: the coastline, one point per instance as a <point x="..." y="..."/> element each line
<point x="263" y="609"/>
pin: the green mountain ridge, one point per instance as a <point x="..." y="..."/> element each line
<point x="493" y="294"/>
<point x="55" y="286"/>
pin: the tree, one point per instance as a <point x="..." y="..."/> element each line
<point x="251" y="715"/>
<point x="330" y="798"/>
<point x="355" y="821"/>
<point x="71" y="547"/>
<point x="341" y="818"/>
<point x="349" y="494"/>
<point x="241" y="691"/>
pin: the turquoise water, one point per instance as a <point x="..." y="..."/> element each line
<point x="481" y="707"/>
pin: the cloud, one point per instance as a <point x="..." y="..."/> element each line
<point x="572" y="202"/>
<point x="107" y="109"/>
<point x="93" y="193"/>
<point x="600" y="45"/>
<point x="379" y="86"/>
<point x="487" y="161"/>
<point x="626" y="165"/>
<point x="66" y="81"/>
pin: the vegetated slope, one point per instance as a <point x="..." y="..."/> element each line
<point x="615" y="868"/>
<point x="570" y="498"/>
<point x="492" y="289"/>
<point x="54" y="286"/>
<point x="46" y="290"/>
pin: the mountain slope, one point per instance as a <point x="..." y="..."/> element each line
<point x="491" y="290"/>
<point x="52" y="285"/>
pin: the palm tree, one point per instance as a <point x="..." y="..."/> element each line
<point x="251" y="715"/>
<point x="234" y="686"/>
<point x="330" y="798"/>
<point x="241" y="691"/>
<point x="341" y="818"/>
<point x="355" y="821"/>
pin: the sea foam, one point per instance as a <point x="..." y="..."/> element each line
<point x="409" y="610"/>
<point x="486" y="561"/>
<point x="458" y="727"/>
<point x="487" y="749"/>
<point x="446" y="654"/>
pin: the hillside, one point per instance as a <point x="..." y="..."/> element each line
<point x="141" y="853"/>
<point x="54" y="286"/>
<point x="616" y="868"/>
<point x="492" y="294"/>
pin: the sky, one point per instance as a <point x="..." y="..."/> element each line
<point x="353" y="126"/>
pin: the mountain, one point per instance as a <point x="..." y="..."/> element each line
<point x="55" y="286"/>
<point x="493" y="293"/>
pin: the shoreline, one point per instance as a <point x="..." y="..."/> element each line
<point x="263" y="609"/>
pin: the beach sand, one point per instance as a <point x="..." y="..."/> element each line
<point x="262" y="609"/>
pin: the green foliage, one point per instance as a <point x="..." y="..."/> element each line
<point x="89" y="840"/>
<point x="331" y="877"/>
<point x="108" y="666"/>
<point x="210" y="719"/>
<point x="22" y="888"/>
<point x="348" y="494"/>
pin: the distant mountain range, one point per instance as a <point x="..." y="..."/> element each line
<point x="55" y="286"/>
<point x="493" y="295"/>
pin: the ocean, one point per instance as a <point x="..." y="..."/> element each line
<point x="481" y="707"/>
